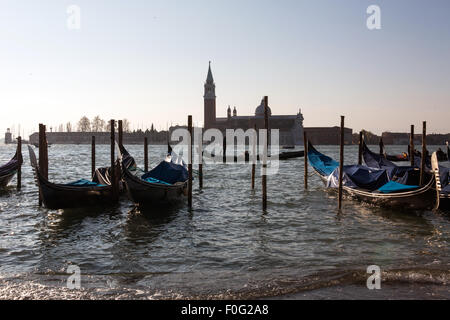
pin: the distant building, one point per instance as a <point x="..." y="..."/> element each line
<point x="290" y="126"/>
<point x="100" y="137"/>
<point x="328" y="135"/>
<point x="8" y="136"/>
<point x="400" y="138"/>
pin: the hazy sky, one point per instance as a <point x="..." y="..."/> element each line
<point x="147" y="61"/>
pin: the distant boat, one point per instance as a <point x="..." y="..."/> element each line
<point x="394" y="157"/>
<point x="281" y="156"/>
<point x="288" y="147"/>
<point x="291" y="155"/>
<point x="37" y="144"/>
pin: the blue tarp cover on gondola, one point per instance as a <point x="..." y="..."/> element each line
<point x="85" y="183"/>
<point x="356" y="176"/>
<point x="168" y="172"/>
<point x="374" y="160"/>
<point x="325" y="165"/>
<point x="153" y="180"/>
<point x="393" y="186"/>
<point x="400" y="174"/>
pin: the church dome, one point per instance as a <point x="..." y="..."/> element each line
<point x="260" y="110"/>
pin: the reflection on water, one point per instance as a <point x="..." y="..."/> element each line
<point x="224" y="247"/>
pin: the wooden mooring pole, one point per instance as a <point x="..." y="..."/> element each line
<point x="114" y="181"/>
<point x="224" y="148"/>
<point x="120" y="130"/>
<point x="341" y="163"/>
<point x="200" y="159"/>
<point x="93" y="157"/>
<point x="411" y="146"/>
<point x="266" y="146"/>
<point x="254" y="157"/>
<point x="381" y="144"/>
<point x="305" y="150"/>
<point x="146" y="154"/>
<point x="424" y="154"/>
<point x="361" y="137"/>
<point x="190" y="162"/>
<point x="43" y="156"/>
<point x="169" y="148"/>
<point x="448" y="151"/>
<point x="19" y="170"/>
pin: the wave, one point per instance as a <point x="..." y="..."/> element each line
<point x="423" y="281"/>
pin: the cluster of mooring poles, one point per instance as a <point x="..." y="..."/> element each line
<point x="341" y="160"/>
<point x="115" y="175"/>
<point x="264" y="155"/>
<point x="224" y="157"/>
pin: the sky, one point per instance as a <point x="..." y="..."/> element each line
<point x="147" y="61"/>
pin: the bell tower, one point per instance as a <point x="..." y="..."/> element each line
<point x="209" y="97"/>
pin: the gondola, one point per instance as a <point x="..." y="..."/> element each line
<point x="442" y="178"/>
<point x="82" y="193"/>
<point x="8" y="170"/>
<point x="397" y="157"/>
<point x="37" y="145"/>
<point x="166" y="184"/>
<point x="393" y="157"/>
<point x="371" y="185"/>
<point x="291" y="154"/>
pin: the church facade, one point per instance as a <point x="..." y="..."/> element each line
<point x="290" y="126"/>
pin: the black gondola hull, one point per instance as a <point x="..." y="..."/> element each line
<point x="63" y="196"/>
<point x="8" y="170"/>
<point x="144" y="193"/>
<point x="56" y="196"/>
<point x="444" y="202"/>
<point x="6" y="179"/>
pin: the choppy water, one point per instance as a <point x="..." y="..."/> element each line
<point x="226" y="247"/>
